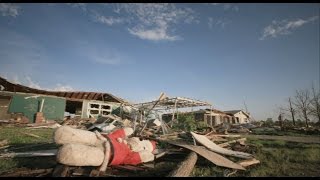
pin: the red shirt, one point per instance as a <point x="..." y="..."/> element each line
<point x="122" y="154"/>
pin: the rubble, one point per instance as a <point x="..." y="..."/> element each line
<point x="147" y="125"/>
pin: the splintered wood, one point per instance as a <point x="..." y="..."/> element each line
<point x="211" y="156"/>
<point x="214" y="147"/>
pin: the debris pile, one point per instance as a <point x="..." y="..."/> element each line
<point x="212" y="143"/>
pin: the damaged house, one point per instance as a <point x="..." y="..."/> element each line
<point x="215" y="117"/>
<point x="240" y="116"/>
<point x="35" y="105"/>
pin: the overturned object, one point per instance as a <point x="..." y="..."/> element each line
<point x="85" y="148"/>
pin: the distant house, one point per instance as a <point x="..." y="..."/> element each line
<point x="241" y="116"/>
<point x="214" y="117"/>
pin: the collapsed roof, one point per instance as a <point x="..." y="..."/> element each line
<point x="232" y="112"/>
<point x="5" y="85"/>
<point x="171" y="103"/>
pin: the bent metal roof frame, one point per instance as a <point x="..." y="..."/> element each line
<point x="171" y="103"/>
<point x="69" y="95"/>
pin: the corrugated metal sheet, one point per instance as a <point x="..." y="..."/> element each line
<point x="70" y="95"/>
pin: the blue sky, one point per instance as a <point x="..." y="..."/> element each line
<point x="217" y="52"/>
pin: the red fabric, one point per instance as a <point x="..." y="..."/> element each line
<point x="122" y="154"/>
<point x="154" y="144"/>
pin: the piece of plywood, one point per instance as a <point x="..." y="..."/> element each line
<point x="215" y="148"/>
<point x="210" y="155"/>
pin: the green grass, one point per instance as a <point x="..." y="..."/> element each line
<point x="277" y="157"/>
<point x="21" y="143"/>
<point x="272" y="131"/>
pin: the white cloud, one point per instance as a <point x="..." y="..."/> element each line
<point x="226" y="6"/>
<point x="8" y="9"/>
<point x="27" y="81"/>
<point x="157" y="34"/>
<point x="219" y="22"/>
<point x="231" y="7"/>
<point x="155" y="20"/>
<point x="31" y="83"/>
<point x="149" y="21"/>
<point x="108" y="20"/>
<point x="284" y="27"/>
<point x="16" y="80"/>
<point x="82" y="6"/>
<point x="61" y="87"/>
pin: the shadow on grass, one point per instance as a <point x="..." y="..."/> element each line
<point x="9" y="165"/>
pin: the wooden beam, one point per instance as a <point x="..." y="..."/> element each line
<point x="185" y="167"/>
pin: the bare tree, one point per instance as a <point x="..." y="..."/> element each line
<point x="315" y="103"/>
<point x="302" y="103"/>
<point x="290" y="109"/>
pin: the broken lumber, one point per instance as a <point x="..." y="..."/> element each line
<point x="230" y="142"/>
<point x="226" y="135"/>
<point x="210" y="155"/>
<point x="214" y="147"/>
<point x="249" y="162"/>
<point x="4" y="142"/>
<point x="53" y="126"/>
<point x="185" y="167"/>
<point x="50" y="152"/>
<point x="30" y="134"/>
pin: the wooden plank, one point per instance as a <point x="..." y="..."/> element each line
<point x="214" y="147"/>
<point x="226" y="135"/>
<point x="210" y="155"/>
<point x="249" y="162"/>
<point x="185" y="167"/>
<point x="30" y="134"/>
<point x="230" y="142"/>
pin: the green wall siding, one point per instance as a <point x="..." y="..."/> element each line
<point x="53" y="108"/>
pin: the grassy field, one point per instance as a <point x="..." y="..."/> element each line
<point x="20" y="142"/>
<point x="278" y="158"/>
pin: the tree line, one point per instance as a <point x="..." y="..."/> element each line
<point x="305" y="104"/>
